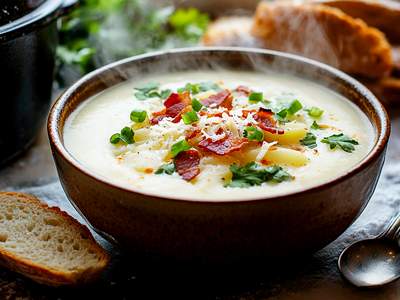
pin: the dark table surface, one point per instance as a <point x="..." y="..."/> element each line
<point x="312" y="277"/>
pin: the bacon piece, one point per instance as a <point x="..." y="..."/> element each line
<point x="223" y="146"/>
<point x="223" y="98"/>
<point x="267" y="122"/>
<point x="187" y="164"/>
<point x="174" y="107"/>
<point x="244" y="90"/>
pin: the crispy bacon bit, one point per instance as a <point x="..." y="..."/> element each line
<point x="245" y="113"/>
<point x="223" y="146"/>
<point x="244" y="90"/>
<point x="223" y="98"/>
<point x="267" y="122"/>
<point x="174" y="106"/>
<point x="187" y="164"/>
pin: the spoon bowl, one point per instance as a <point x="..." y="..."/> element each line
<point x="371" y="263"/>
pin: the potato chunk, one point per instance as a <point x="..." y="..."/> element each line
<point x="279" y="155"/>
<point x="294" y="132"/>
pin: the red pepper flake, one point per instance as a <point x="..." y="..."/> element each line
<point x="223" y="98"/>
<point x="223" y="146"/>
<point x="187" y="164"/>
<point x="244" y="90"/>
<point x="267" y="122"/>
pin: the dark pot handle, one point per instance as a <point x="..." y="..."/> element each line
<point x="67" y="6"/>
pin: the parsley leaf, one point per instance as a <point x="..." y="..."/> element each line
<point x="168" y="169"/>
<point x="315" y="126"/>
<point x="343" y="141"/>
<point x="138" y="116"/>
<point x="179" y="147"/>
<point x="151" y="90"/>
<point x="195" y="88"/>
<point x="310" y="140"/>
<point x="126" y="136"/>
<point x="253" y="134"/>
<point x="315" y="112"/>
<point x="190" y="117"/>
<point x="252" y="174"/>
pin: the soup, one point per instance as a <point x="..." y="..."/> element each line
<point x="218" y="135"/>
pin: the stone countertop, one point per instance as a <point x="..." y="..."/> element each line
<point x="312" y="277"/>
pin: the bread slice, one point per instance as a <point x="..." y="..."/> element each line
<point x="230" y="31"/>
<point x="383" y="14"/>
<point x="325" y="34"/>
<point x="45" y="243"/>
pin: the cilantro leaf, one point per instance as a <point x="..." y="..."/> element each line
<point x="168" y="169"/>
<point x="138" y="116"/>
<point x="253" y="134"/>
<point x="252" y="174"/>
<point x="179" y="147"/>
<point x="126" y="136"/>
<point x="340" y="140"/>
<point x="315" y="112"/>
<point x="190" y="117"/>
<point x="310" y="140"/>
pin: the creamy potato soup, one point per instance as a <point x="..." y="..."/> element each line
<point x="218" y="135"/>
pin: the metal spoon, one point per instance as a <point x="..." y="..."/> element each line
<point x="373" y="262"/>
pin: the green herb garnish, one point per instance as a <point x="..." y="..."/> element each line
<point x="293" y="108"/>
<point x="151" y="90"/>
<point x="195" y="88"/>
<point x="253" y="134"/>
<point x="179" y="147"/>
<point x="315" y="126"/>
<point x="196" y="105"/>
<point x="343" y="141"/>
<point x="256" y="97"/>
<point x="190" y="117"/>
<point x="126" y="136"/>
<point x="166" y="169"/>
<point x="252" y="174"/>
<point x="138" y="116"/>
<point x="310" y="140"/>
<point x="315" y="112"/>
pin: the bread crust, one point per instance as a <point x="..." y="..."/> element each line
<point x="384" y="15"/>
<point x="46" y="275"/>
<point x="325" y="34"/>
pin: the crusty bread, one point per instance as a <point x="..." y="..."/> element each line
<point x="383" y="14"/>
<point x="325" y="34"/>
<point x="46" y="244"/>
<point x="230" y="31"/>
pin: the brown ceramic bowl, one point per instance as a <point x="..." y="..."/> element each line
<point x="148" y="224"/>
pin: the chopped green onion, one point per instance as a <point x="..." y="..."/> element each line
<point x="196" y="105"/>
<point x="190" y="117"/>
<point x="138" y="116"/>
<point x="256" y="97"/>
<point x="253" y="134"/>
<point x="294" y="107"/>
<point x="315" y="112"/>
<point x="179" y="147"/>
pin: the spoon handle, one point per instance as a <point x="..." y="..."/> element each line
<point x="393" y="230"/>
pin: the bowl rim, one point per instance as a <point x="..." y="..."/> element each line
<point x="382" y="135"/>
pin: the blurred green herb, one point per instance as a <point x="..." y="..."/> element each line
<point x="101" y="31"/>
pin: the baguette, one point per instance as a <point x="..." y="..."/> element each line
<point x="46" y="244"/>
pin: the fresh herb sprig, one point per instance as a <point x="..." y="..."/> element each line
<point x="310" y="140"/>
<point x="125" y="136"/>
<point x="168" y="169"/>
<point x="151" y="90"/>
<point x="340" y="140"/>
<point x="253" y="174"/>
